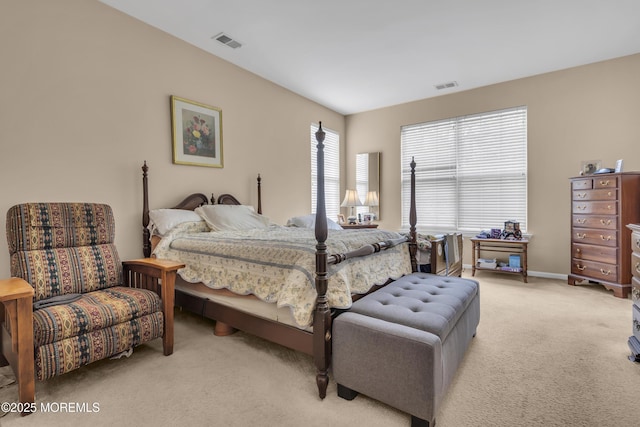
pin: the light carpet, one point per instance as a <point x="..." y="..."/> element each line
<point x="546" y="354"/>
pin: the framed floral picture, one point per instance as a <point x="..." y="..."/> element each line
<point x="197" y="133"/>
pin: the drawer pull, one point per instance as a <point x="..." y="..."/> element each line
<point x="605" y="238"/>
<point x="609" y="193"/>
<point x="607" y="222"/>
<point x="581" y="220"/>
<point x="636" y="325"/>
<point x="603" y="183"/>
<point x="637" y="267"/>
<point x="581" y="235"/>
<point x="578" y="250"/>
<point x="635" y="293"/>
<point x="606" y="273"/>
<point x="638" y="243"/>
<point x="581" y="195"/>
<point x="609" y="207"/>
<point x="581" y="207"/>
<point x="581" y="267"/>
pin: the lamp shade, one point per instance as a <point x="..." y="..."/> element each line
<point x="351" y="199"/>
<point x="372" y="199"/>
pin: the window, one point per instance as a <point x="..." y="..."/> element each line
<point x="331" y="171"/>
<point x="471" y="171"/>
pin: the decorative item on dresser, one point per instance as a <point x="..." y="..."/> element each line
<point x="634" y="340"/>
<point x="600" y="245"/>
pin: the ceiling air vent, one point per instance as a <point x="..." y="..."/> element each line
<point x="226" y="40"/>
<point x="446" y="85"/>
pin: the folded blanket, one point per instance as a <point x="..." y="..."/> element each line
<point x="57" y="300"/>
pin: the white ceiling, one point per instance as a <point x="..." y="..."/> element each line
<point x="358" y="55"/>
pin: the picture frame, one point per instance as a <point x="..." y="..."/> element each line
<point x="196" y="133"/>
<point x="341" y="219"/>
<point x="619" y="166"/>
<point x="590" y="166"/>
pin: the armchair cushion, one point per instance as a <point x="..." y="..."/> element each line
<point x="63" y="271"/>
<point x="63" y="248"/>
<point x="93" y="311"/>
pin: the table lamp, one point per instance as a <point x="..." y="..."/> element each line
<point x="351" y="200"/>
<point x="372" y="200"/>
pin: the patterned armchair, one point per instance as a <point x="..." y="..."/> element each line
<point x="71" y="301"/>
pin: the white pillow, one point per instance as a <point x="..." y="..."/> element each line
<point x="232" y="217"/>
<point x="163" y="220"/>
<point x="309" y="221"/>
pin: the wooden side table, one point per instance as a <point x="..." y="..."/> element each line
<point x="502" y="246"/>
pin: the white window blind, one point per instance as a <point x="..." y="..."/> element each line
<point x="331" y="171"/>
<point x="471" y="171"/>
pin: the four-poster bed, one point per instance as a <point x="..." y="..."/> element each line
<point x="314" y="338"/>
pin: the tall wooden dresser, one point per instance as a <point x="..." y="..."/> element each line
<point x="634" y="340"/>
<point x="601" y="207"/>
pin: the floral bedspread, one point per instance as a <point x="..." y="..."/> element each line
<point x="278" y="264"/>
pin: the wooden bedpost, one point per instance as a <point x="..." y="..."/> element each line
<point x="146" y="242"/>
<point x="259" y="195"/>
<point x="413" y="245"/>
<point x="322" y="317"/>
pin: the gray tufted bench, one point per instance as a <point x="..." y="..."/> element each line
<point x="403" y="343"/>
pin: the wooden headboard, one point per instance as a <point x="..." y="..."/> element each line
<point x="190" y="202"/>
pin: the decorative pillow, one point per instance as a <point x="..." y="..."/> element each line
<point x="309" y="221"/>
<point x="232" y="217"/>
<point x="163" y="220"/>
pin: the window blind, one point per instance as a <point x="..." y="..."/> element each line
<point x="331" y="171"/>
<point x="471" y="171"/>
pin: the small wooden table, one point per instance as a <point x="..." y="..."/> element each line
<point x="499" y="245"/>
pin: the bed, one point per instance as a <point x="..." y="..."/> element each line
<point x="303" y="325"/>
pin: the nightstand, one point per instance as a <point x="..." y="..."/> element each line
<point x="351" y="226"/>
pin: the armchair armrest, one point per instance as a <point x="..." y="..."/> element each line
<point x="15" y="288"/>
<point x="158" y="275"/>
<point x="16" y="296"/>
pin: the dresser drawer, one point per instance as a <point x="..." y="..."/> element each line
<point x="597" y="221"/>
<point x="597" y="270"/>
<point x="604" y="254"/>
<point x="635" y="264"/>
<point x="605" y="182"/>
<point x="582" y="184"/>
<point x="635" y="290"/>
<point x="603" y="194"/>
<point x="595" y="237"/>
<point x="599" y="208"/>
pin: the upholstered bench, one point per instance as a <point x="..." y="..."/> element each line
<point x="403" y="343"/>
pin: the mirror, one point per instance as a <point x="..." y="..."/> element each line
<point x="367" y="182"/>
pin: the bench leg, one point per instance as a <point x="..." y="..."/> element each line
<point x="346" y="392"/>
<point x="419" y="422"/>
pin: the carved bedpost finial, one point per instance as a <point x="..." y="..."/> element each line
<point x="146" y="235"/>
<point x="320" y="134"/>
<point x="259" y="194"/>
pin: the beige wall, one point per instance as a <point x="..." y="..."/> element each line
<point x="85" y="100"/>
<point x="585" y="113"/>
